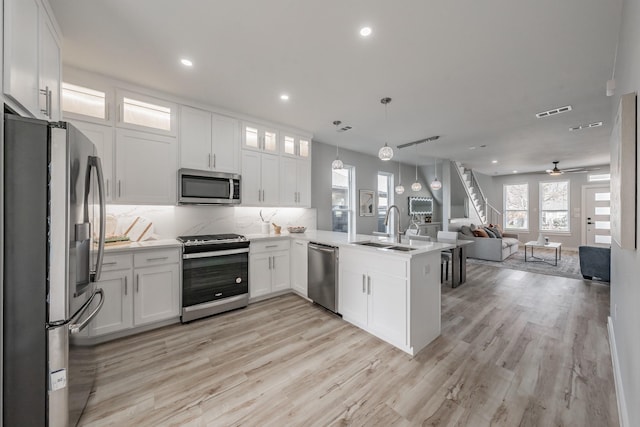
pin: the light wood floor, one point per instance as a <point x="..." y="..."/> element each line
<point x="517" y="349"/>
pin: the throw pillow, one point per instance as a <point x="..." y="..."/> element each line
<point x="472" y="227"/>
<point x="480" y="232"/>
<point x="466" y="230"/>
<point x="490" y="232"/>
<point x="497" y="232"/>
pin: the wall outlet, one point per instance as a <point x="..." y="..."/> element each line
<point x="427" y="269"/>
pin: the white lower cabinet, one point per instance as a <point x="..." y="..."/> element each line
<point x="299" y="266"/>
<point x="268" y="267"/>
<point x="140" y="288"/>
<point x="373" y="294"/>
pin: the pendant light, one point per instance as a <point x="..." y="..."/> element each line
<point x="435" y="184"/>
<point x="385" y="153"/>
<point x="399" y="187"/>
<point x="337" y="163"/>
<point x="416" y="186"/>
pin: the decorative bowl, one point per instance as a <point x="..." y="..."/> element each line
<point x="298" y="229"/>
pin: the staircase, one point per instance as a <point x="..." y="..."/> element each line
<point x="485" y="212"/>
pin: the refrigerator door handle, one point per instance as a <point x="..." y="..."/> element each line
<point x="75" y="328"/>
<point x="94" y="161"/>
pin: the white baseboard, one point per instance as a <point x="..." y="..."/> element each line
<point x="617" y="377"/>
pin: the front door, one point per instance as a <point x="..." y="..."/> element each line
<point x="597" y="216"/>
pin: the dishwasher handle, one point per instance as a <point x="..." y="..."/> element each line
<point x="321" y="247"/>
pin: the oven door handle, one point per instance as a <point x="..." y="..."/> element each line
<point x="216" y="253"/>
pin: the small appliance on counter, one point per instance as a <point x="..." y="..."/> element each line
<point x="215" y="274"/>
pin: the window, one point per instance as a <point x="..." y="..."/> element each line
<point x="385" y="198"/>
<point x="341" y="199"/>
<point x="554" y="206"/>
<point x="516" y="206"/>
<point x="84" y="101"/>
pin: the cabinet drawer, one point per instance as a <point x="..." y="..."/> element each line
<point x="268" y="246"/>
<point x="116" y="262"/>
<point x="156" y="257"/>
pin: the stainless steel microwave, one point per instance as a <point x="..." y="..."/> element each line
<point x="198" y="187"/>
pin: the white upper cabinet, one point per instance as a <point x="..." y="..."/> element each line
<point x="295" y="145"/>
<point x="209" y="141"/>
<point x="295" y="182"/>
<point x="260" y="179"/>
<point x="31" y="59"/>
<point x="102" y="137"/>
<point x="258" y="137"/>
<point x="145" y="113"/>
<point x="86" y="103"/>
<point x="146" y="168"/>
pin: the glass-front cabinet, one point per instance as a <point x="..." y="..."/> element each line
<point x="258" y="137"/>
<point x="295" y="145"/>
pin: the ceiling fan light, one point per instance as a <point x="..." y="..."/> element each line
<point x="385" y="153"/>
<point x="416" y="186"/>
<point x="436" y="184"/>
<point x="337" y="164"/>
<point x="399" y="189"/>
<point x="556" y="172"/>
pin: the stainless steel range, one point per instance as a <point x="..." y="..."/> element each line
<point x="215" y="274"/>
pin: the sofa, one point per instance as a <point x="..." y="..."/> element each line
<point x="595" y="262"/>
<point x="487" y="248"/>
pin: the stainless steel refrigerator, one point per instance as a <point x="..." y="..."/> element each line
<point x="53" y="247"/>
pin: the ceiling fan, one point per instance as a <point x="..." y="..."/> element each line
<point x="557" y="171"/>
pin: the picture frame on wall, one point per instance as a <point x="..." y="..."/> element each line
<point x="623" y="174"/>
<point x="366" y="202"/>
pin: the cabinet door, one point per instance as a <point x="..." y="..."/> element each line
<point x="102" y="137"/>
<point x="289" y="181"/>
<point x="226" y="144"/>
<point x="270" y="180"/>
<point x="353" y="294"/>
<point x="387" y="312"/>
<point x="157" y="294"/>
<point x="304" y="183"/>
<point x="259" y="274"/>
<point x="251" y="186"/>
<point x="50" y="61"/>
<point x="280" y="266"/>
<point x="195" y="139"/>
<point x="299" y="266"/>
<point x="117" y="312"/>
<point x="145" y="167"/>
<point x="21" y="82"/>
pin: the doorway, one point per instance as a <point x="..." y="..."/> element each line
<point x="596" y="208"/>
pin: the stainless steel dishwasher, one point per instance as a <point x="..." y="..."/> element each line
<point x="323" y="275"/>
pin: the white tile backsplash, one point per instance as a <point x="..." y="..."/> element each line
<point x="173" y="221"/>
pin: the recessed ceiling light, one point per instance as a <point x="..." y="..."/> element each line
<point x="186" y="62"/>
<point x="515" y="171"/>
<point x="284" y="97"/>
<point x="472" y="148"/>
<point x="494" y="161"/>
<point x="365" y="31"/>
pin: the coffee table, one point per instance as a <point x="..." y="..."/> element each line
<point x="550" y="245"/>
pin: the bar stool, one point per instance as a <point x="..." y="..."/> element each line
<point x="446" y="255"/>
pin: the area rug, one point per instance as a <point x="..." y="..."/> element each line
<point x="568" y="266"/>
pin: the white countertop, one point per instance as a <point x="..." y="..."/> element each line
<point x="345" y="240"/>
<point x="148" y="244"/>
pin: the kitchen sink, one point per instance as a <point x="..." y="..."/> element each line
<point x="401" y="248"/>
<point x="374" y="244"/>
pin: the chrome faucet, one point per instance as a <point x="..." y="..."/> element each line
<point x="386" y="222"/>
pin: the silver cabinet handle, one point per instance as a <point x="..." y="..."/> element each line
<point x="269" y="263"/>
<point x="107" y="114"/>
<point x="109" y="263"/>
<point x="209" y="161"/>
<point x="125" y="285"/>
<point x="157" y="258"/>
<point x="368" y="285"/>
<point x="137" y="283"/>
<point x="263" y="199"/>
<point x="271" y="246"/>
<point x="274" y="262"/>
<point x="49" y="102"/>
<point x="119" y="189"/>
<point x="364" y="286"/>
<point x="107" y="192"/>
<point x="47" y="94"/>
<point x="259" y="196"/>
<point x="214" y="161"/>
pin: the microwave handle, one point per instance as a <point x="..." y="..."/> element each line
<point x="230" y="188"/>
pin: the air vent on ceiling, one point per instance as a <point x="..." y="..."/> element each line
<point x="554" y="111"/>
<point x="590" y="125"/>
<point x="345" y="128"/>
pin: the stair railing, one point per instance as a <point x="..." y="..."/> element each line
<point x="466" y="189"/>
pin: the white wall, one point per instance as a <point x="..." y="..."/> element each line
<point x="625" y="264"/>
<point x="367" y="168"/>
